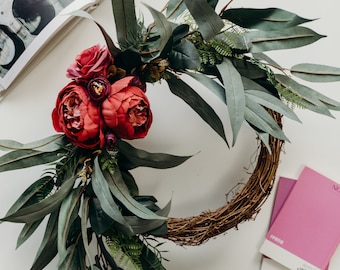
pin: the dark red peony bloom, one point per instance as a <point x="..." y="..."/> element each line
<point x="79" y="118"/>
<point x="92" y="62"/>
<point x="127" y="110"/>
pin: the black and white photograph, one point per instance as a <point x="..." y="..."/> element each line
<point x="21" y="22"/>
<point x="26" y="26"/>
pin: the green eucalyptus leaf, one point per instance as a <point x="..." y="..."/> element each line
<point x="265" y="19"/>
<point x="266" y="58"/>
<point x="48" y="247"/>
<point x="121" y="192"/>
<point x="249" y="84"/>
<point x="84" y="220"/>
<point x="131" y="157"/>
<point x="141" y="226"/>
<point x="72" y="259"/>
<point x="27" y="231"/>
<point x="288" y="38"/>
<point x="113" y="49"/>
<point x="130" y="183"/>
<point x="74" y="256"/>
<point x="249" y="69"/>
<point x="197" y="103"/>
<point x="125" y="21"/>
<point x="264" y="137"/>
<point x="316" y="73"/>
<point x="101" y="189"/>
<point x="213" y="3"/>
<point x="67" y="214"/>
<point x="150" y="260"/>
<point x="175" y="8"/>
<point x="179" y="33"/>
<point x="100" y="221"/>
<point x="271" y="102"/>
<point x="233" y="85"/>
<point x="314" y="100"/>
<point x="19" y="159"/>
<point x="39" y="210"/>
<point x="210" y="84"/>
<point x="49" y="144"/>
<point x="164" y="27"/>
<point x="184" y="56"/>
<point x="259" y="117"/>
<point x="209" y="23"/>
<point x="40" y="188"/>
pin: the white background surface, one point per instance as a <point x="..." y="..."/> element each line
<point x="202" y="182"/>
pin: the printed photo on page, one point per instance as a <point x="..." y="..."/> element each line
<point x="25" y="26"/>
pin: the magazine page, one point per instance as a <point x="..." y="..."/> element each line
<point x="26" y="26"/>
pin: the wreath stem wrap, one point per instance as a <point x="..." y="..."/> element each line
<point x="195" y="230"/>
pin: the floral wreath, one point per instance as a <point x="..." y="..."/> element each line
<point x="88" y="193"/>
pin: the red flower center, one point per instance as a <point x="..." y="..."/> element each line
<point x="138" y="115"/>
<point x="71" y="113"/>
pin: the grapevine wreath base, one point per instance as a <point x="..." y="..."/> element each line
<point x="195" y="230"/>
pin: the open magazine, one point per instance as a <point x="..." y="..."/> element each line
<point x="26" y="26"/>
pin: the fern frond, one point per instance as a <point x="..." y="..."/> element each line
<point x="221" y="48"/>
<point x="291" y="98"/>
<point x="126" y="251"/>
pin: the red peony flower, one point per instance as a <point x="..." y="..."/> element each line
<point x="79" y="118"/>
<point x="127" y="110"/>
<point x="92" y="62"/>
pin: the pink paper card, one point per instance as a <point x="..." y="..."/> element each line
<point x="306" y="231"/>
<point x="284" y="187"/>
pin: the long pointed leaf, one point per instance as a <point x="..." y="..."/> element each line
<point x="48" y="247"/>
<point x="316" y="73"/>
<point x="184" y="56"/>
<point x="131" y="157"/>
<point x="48" y="144"/>
<point x="26" y="158"/>
<point x="272" y="102"/>
<point x="84" y="220"/>
<point x="235" y="95"/>
<point x="144" y="226"/>
<point x="164" y="27"/>
<point x="288" y="38"/>
<point x="100" y="221"/>
<point x="259" y="117"/>
<point x="266" y="58"/>
<point x="101" y="189"/>
<point x="113" y="49"/>
<point x="210" y="84"/>
<point x="27" y="231"/>
<point x="39" y="210"/>
<point x="67" y="214"/>
<point x="121" y="192"/>
<point x="315" y="101"/>
<point x="125" y="21"/>
<point x="264" y="137"/>
<point x="197" y="103"/>
<point x="209" y="23"/>
<point x="264" y="19"/>
<point x="72" y="260"/>
<point x="45" y="183"/>
<point x="175" y="8"/>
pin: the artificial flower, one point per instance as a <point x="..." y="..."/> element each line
<point x="90" y="63"/>
<point x="98" y="89"/>
<point x="127" y="110"/>
<point x="110" y="141"/>
<point x="78" y="117"/>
